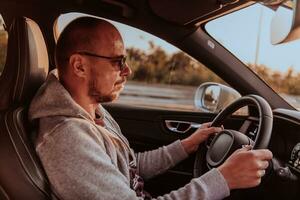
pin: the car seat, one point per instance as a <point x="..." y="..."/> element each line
<point x="26" y="68"/>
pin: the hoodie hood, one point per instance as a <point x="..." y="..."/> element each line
<point x="52" y="99"/>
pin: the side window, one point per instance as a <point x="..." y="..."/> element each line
<point x="3" y="44"/>
<point x="163" y="76"/>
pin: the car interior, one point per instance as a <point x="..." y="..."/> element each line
<point x="29" y="59"/>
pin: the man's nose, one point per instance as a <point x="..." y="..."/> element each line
<point x="126" y="71"/>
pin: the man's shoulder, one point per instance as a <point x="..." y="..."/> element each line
<point x="56" y="129"/>
<point x="58" y="123"/>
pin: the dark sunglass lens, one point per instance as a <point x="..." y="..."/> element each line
<point x="122" y="63"/>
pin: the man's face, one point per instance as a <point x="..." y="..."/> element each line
<point x="107" y="77"/>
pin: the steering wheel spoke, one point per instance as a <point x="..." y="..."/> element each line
<point x="223" y="145"/>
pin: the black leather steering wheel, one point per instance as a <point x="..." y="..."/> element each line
<point x="227" y="141"/>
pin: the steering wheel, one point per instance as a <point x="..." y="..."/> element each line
<point x="227" y="141"/>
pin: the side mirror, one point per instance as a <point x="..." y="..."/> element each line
<point x="213" y="97"/>
<point x="285" y="25"/>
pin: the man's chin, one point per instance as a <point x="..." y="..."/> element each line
<point x="114" y="99"/>
<point x="117" y="90"/>
<point x="113" y="96"/>
<point x="109" y="98"/>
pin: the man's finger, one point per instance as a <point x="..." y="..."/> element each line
<point x="244" y="148"/>
<point x="263" y="154"/>
<point x="205" y="125"/>
<point x="263" y="164"/>
<point x="261" y="173"/>
<point x="247" y="147"/>
<point x="212" y="130"/>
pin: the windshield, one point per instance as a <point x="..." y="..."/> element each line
<point x="246" y="34"/>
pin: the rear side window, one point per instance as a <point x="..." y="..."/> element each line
<point x="3" y="44"/>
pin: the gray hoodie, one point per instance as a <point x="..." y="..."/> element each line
<point x="86" y="161"/>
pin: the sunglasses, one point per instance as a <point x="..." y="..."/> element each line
<point x="121" y="60"/>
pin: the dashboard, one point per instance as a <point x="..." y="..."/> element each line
<point x="285" y="138"/>
<point x="283" y="179"/>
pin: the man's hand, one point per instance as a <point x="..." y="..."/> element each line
<point x="245" y="167"/>
<point x="191" y="143"/>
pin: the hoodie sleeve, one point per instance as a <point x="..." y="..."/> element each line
<point x="152" y="163"/>
<point x="211" y="185"/>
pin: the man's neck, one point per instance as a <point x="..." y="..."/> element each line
<point x="83" y="100"/>
<point x="87" y="106"/>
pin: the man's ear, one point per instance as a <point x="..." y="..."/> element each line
<point x="77" y="66"/>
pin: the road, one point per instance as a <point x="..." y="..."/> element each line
<point x="161" y="96"/>
<point x="169" y="96"/>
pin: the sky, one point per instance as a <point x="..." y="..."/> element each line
<point x="238" y="32"/>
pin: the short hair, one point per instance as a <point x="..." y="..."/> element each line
<point x="77" y="35"/>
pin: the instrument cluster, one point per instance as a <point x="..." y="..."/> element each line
<point x="294" y="161"/>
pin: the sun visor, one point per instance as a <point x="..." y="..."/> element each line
<point x="184" y="12"/>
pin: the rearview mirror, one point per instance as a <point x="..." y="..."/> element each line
<point x="285" y="25"/>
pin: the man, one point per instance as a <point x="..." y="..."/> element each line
<point x="82" y="148"/>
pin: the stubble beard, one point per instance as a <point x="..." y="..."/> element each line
<point x="97" y="96"/>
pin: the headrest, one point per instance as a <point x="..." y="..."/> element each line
<point x="26" y="64"/>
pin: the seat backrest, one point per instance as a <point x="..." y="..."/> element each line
<point x="26" y="68"/>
